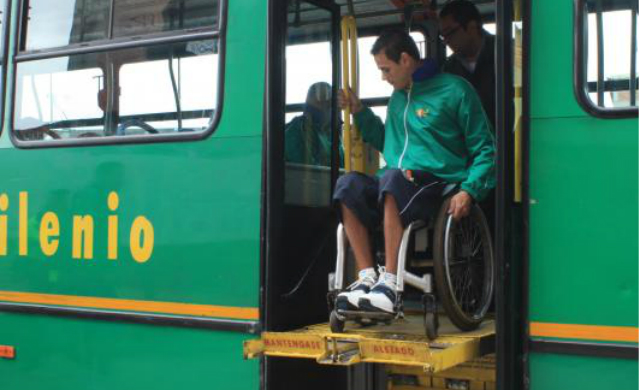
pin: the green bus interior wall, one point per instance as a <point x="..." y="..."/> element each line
<point x="583" y="184"/>
<point x="204" y="200"/>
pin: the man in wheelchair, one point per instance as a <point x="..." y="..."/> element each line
<point x="436" y="134"/>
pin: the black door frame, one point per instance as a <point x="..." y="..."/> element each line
<point x="273" y="167"/>
<point x="511" y="234"/>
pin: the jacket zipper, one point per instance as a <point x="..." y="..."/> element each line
<point x="406" y="129"/>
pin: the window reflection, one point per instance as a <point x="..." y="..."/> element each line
<point x="308" y="133"/>
<point x="135" y="17"/>
<point x="154" y="90"/>
<point x="65" y="22"/>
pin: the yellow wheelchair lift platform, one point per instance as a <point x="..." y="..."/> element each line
<point x="402" y="343"/>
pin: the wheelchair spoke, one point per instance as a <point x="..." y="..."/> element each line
<point x="467" y="266"/>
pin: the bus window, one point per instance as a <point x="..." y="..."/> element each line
<point x="65" y="22"/>
<point x="160" y="83"/>
<point x="308" y="132"/>
<point x="132" y="18"/>
<point x="42" y="99"/>
<point x="609" y="60"/>
<point x="147" y="89"/>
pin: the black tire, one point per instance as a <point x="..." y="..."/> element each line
<point x="465" y="286"/>
<point x="335" y="323"/>
<point x="431" y="325"/>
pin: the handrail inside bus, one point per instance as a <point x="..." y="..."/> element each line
<point x="351" y="138"/>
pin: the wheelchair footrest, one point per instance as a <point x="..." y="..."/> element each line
<point x="373" y="315"/>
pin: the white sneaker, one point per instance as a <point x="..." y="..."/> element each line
<point x="348" y="300"/>
<point x="382" y="296"/>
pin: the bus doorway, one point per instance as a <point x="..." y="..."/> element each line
<point x="300" y="224"/>
<point x="303" y="161"/>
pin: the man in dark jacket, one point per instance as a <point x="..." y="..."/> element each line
<point x="473" y="50"/>
<point x="473" y="59"/>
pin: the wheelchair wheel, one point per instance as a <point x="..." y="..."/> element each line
<point x="463" y="266"/>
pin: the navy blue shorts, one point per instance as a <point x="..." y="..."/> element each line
<point x="417" y="199"/>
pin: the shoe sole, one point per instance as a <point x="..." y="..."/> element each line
<point x="365" y="305"/>
<point x="342" y="303"/>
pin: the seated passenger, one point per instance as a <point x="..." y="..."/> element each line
<point x="308" y="136"/>
<point x="436" y="133"/>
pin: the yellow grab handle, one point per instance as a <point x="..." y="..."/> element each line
<point x="345" y="86"/>
<point x="353" y="148"/>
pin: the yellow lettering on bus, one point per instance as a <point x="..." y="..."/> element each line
<point x="82" y="228"/>
<point x="49" y="233"/>
<point x="23" y="224"/>
<point x="4" y="206"/>
<point x="141" y="239"/>
<point x="112" y="235"/>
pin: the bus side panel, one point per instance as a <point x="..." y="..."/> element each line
<point x="203" y="199"/>
<point x="584" y="242"/>
<point x="63" y="353"/>
<point x="578" y="372"/>
<point x="583" y="218"/>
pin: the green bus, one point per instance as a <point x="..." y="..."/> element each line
<point x="151" y="221"/>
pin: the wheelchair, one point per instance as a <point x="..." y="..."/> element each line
<point x="462" y="264"/>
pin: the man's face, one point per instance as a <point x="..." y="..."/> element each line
<point x="454" y="35"/>
<point x="398" y="74"/>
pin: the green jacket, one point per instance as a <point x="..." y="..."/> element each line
<point x="447" y="133"/>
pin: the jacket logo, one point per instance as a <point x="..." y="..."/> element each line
<point x="422" y="112"/>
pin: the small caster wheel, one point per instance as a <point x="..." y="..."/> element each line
<point x="430" y="316"/>
<point x="336" y="324"/>
<point x="431" y="325"/>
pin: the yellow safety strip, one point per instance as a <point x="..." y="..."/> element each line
<point x="585" y="332"/>
<point x="172" y="308"/>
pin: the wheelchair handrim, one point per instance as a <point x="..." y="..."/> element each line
<point x="487" y="290"/>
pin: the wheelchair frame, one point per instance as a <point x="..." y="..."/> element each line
<point x="425" y="283"/>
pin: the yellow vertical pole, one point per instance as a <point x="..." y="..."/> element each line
<point x="345" y="86"/>
<point x="358" y="156"/>
<point x="357" y="145"/>
<point x="517" y="61"/>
